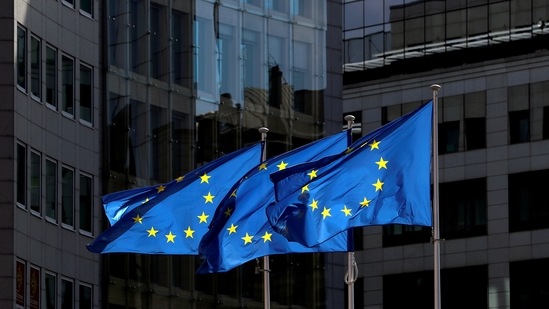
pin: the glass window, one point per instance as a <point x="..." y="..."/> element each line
<point x="464" y="211"/>
<point x="86" y="203"/>
<point x="86" y="94"/>
<point x="67" y="196"/>
<point x="539" y="102"/>
<point x="21" y="175"/>
<point x="51" y="189"/>
<point x="35" y="182"/>
<point x="139" y="37"/>
<point x="67" y="87"/>
<point x="415" y="290"/>
<point x="181" y="57"/>
<point x="86" y="6"/>
<point x="159" y="42"/>
<point x="545" y="122"/>
<point x="67" y="294"/>
<point x="35" y="291"/>
<point x="519" y="126"/>
<point x="85" y="293"/>
<point x="529" y="285"/>
<point x="21" y="57"/>
<point x="51" y="76"/>
<point x="35" y="66"/>
<point x="528" y="201"/>
<point x="51" y="291"/>
<point x="475" y="120"/>
<point x="448" y="137"/>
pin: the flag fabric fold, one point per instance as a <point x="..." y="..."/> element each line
<point x="240" y="231"/>
<point x="384" y="178"/>
<point x="171" y="218"/>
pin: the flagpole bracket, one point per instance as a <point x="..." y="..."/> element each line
<point x="259" y="269"/>
<point x="434" y="240"/>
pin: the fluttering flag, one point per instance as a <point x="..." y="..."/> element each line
<point x="172" y="218"/>
<point x="240" y="231"/>
<point x="384" y="178"/>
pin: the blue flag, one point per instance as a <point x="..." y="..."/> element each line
<point x="117" y="203"/>
<point x="175" y="216"/>
<point x="384" y="178"/>
<point x="240" y="231"/>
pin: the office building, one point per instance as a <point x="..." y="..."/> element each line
<point x="103" y="96"/>
<point x="491" y="60"/>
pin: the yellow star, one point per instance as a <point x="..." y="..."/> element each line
<point x="228" y="212"/>
<point x="170" y="237"/>
<point x="365" y="203"/>
<point x="382" y="163"/>
<point x="326" y="213"/>
<point x="267" y="237"/>
<point x="205" y="178"/>
<point x="160" y="188"/>
<point x="263" y="166"/>
<point x="374" y="145"/>
<point x="152" y="232"/>
<point x="314" y="205"/>
<point x="247" y="239"/>
<point x="233" y="194"/>
<point x="189" y="232"/>
<point x="203" y="218"/>
<point x="282" y="165"/>
<point x="137" y="219"/>
<point x="209" y="198"/>
<point x="305" y="188"/>
<point x="232" y="228"/>
<point x="378" y="185"/>
<point x="179" y="179"/>
<point x="312" y="174"/>
<point x="346" y="211"/>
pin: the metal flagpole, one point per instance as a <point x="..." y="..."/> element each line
<point x="436" y="229"/>
<point x="266" y="270"/>
<point x="350" y="277"/>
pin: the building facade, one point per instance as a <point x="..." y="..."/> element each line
<point x="102" y="95"/>
<point x="491" y="60"/>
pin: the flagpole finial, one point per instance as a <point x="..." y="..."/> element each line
<point x="263" y="130"/>
<point x="349" y="118"/>
<point x="435" y="87"/>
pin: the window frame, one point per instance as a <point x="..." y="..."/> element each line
<point x="54" y="191"/>
<point x="53" y="105"/>
<point x="90" y="204"/>
<point x="82" y="94"/>
<point x="67" y="99"/>
<point x="21" y="59"/>
<point x="32" y="177"/>
<point x="64" y="196"/>
<point x="35" y="63"/>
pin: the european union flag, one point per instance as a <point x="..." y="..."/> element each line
<point x="117" y="203"/>
<point x="240" y="231"/>
<point x="175" y="216"/>
<point x="384" y="178"/>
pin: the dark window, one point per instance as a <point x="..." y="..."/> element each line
<point x="67" y="86"/>
<point x="51" y="189"/>
<point x="398" y="235"/>
<point x="51" y="76"/>
<point x="35" y="182"/>
<point x="35" y="67"/>
<point x="21" y="57"/>
<point x="86" y="6"/>
<point x="529" y="285"/>
<point x="67" y="196"/>
<point x="448" y="141"/>
<point x="415" y="290"/>
<point x="51" y="291"/>
<point x="86" y="97"/>
<point x="462" y="208"/>
<point x="86" y="202"/>
<point x="519" y="126"/>
<point x="67" y="299"/>
<point x="475" y="133"/>
<point x="546" y="122"/>
<point x="85" y="293"/>
<point x="21" y="174"/>
<point x="528" y="201"/>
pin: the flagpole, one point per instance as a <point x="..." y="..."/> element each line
<point x="266" y="270"/>
<point x="436" y="229"/>
<point x="350" y="277"/>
